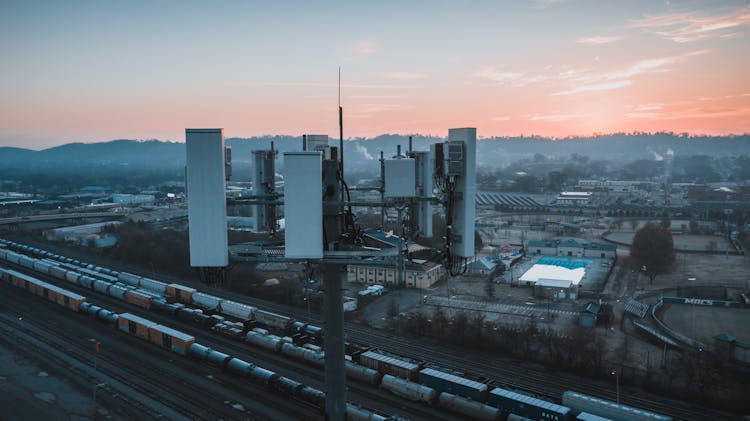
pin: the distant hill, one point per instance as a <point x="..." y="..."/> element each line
<point x="362" y="154"/>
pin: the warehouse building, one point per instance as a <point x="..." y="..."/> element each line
<point x="417" y="274"/>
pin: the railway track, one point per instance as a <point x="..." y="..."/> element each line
<point x="506" y="373"/>
<point x="155" y="382"/>
<point x="362" y="394"/>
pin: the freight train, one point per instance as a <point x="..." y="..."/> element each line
<point x="180" y="343"/>
<point x="407" y="379"/>
<point x="151" y="294"/>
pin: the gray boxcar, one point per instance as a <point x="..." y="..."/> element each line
<point x="389" y="365"/>
<point x="516" y="403"/>
<point x="444" y="382"/>
<point x="608" y="409"/>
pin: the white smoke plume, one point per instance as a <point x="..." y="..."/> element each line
<point x="657" y="155"/>
<point x="361" y="149"/>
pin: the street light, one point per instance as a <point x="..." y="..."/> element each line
<point x="617" y="382"/>
<point x="15" y="342"/>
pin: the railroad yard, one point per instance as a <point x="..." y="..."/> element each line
<point x="173" y="383"/>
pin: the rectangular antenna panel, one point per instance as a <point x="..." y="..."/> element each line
<point x="455" y="157"/>
<point x="207" y="203"/>
<point x="399" y="178"/>
<point x="465" y="208"/>
<point x="228" y="162"/>
<point x="439" y="159"/>
<point x="303" y="205"/>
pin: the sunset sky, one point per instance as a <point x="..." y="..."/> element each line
<point x="97" y="70"/>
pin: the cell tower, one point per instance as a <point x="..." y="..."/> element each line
<point x="320" y="225"/>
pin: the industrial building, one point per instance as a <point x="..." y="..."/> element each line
<point x="85" y="235"/>
<point x="574" y="198"/>
<point x="616" y="187"/>
<point x="572" y="247"/>
<point x="417" y="274"/>
<point x="133" y="199"/>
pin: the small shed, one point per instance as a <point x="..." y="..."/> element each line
<point x="556" y="289"/>
<point x="588" y="316"/>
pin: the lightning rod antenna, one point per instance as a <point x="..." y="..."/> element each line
<point x="341" y="146"/>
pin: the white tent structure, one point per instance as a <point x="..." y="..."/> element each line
<point x="551" y="272"/>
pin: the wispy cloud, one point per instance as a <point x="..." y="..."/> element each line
<point x="648" y="107"/>
<point x="691" y="114"/>
<point x="653" y="65"/>
<point x="498" y="75"/>
<point x="584" y="79"/>
<point x="692" y="26"/>
<point x="402" y="75"/>
<point x="597" y="40"/>
<point x="365" y="47"/>
<point x="374" y="96"/>
<point x="381" y="107"/>
<point x="501" y="118"/>
<point x="608" y="86"/>
<point x="310" y="85"/>
<point x="543" y="4"/>
<point x="552" y="118"/>
<point x="604" y="81"/>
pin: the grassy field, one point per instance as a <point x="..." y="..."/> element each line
<point x="686" y="242"/>
<point x="704" y="322"/>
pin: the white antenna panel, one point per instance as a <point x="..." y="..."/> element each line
<point x="207" y="203"/>
<point x="303" y="205"/>
<point x="399" y="178"/>
<point x="465" y="208"/>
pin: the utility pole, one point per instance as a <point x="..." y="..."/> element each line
<point x="96" y="383"/>
<point x="400" y="234"/>
<point x="15" y="341"/>
<point x="333" y="343"/>
<point x="616" y="373"/>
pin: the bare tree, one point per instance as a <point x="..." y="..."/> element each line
<point x="653" y="250"/>
<point x="489" y="290"/>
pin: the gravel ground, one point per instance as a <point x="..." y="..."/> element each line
<point x="29" y="392"/>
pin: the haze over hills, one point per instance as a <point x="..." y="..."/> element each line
<point x="362" y="154"/>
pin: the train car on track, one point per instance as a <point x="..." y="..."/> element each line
<point x="139" y="299"/>
<point x="517" y="403"/>
<point x="608" y="409"/>
<point x="408" y="389"/>
<point x="134" y="325"/>
<point x="169" y="338"/>
<point x="206" y="301"/>
<point x="153" y="286"/>
<point x="474" y="410"/>
<point x="444" y="382"/>
<point x="237" y="310"/>
<point x="179" y="293"/>
<point x="389" y="365"/>
<point x="273" y="320"/>
<point x="65" y="298"/>
<point x="50" y="292"/>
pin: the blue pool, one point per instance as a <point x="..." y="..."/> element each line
<point x="566" y="262"/>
